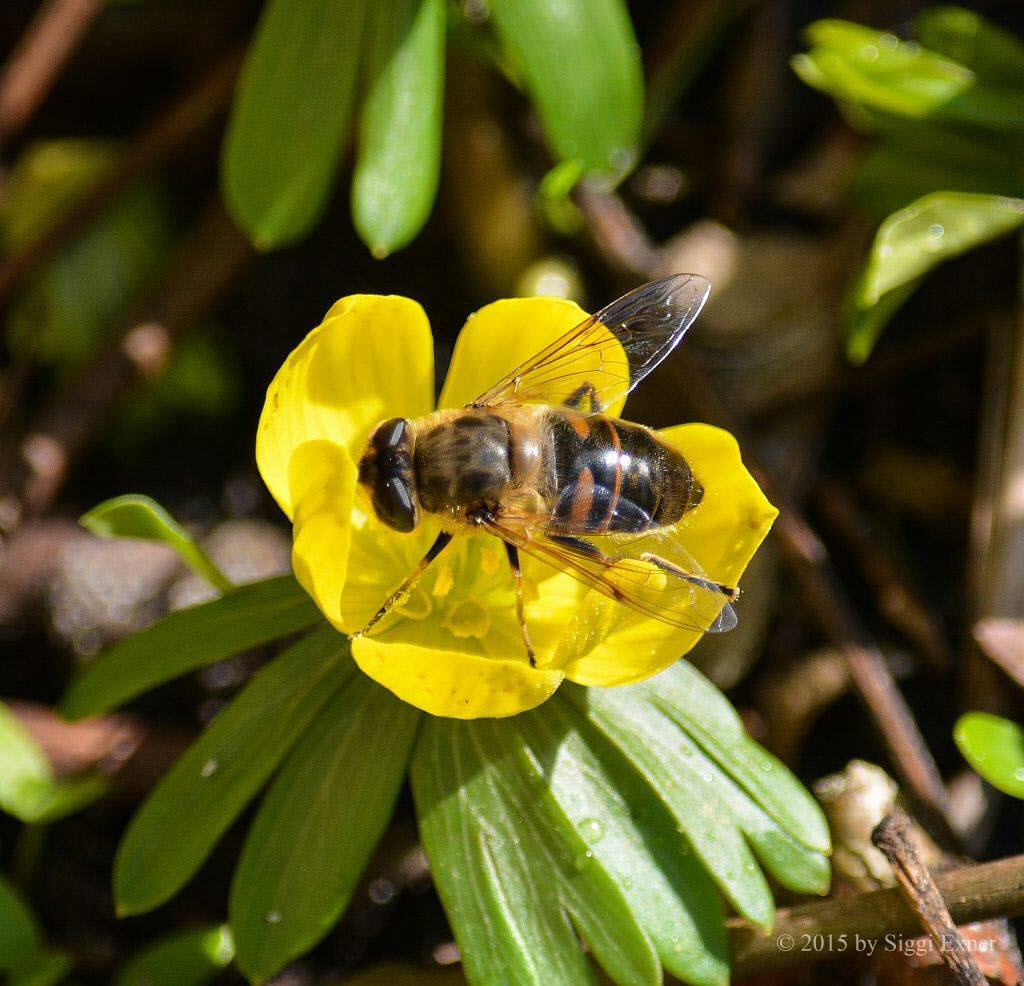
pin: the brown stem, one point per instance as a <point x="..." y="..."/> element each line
<point x="625" y="246"/>
<point x="213" y="255"/>
<point x="894" y="835"/>
<point x="41" y="53"/>
<point x="819" y="931"/>
<point x="895" y="600"/>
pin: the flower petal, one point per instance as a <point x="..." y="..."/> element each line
<point x="503" y="335"/>
<point x="454" y="684"/>
<point x="722" y="534"/>
<point x="371" y="358"/>
<point x="324" y="483"/>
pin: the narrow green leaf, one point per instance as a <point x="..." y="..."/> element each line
<point x="20" y="935"/>
<point x="317" y="826"/>
<point x="517" y="880"/>
<point x="291" y="116"/>
<point x="45" y="968"/>
<point x="931" y="230"/>
<point x="862" y="65"/>
<point x="721" y="788"/>
<point x="184" y="958"/>
<point x="688" y="786"/>
<point x="395" y="180"/>
<point x="630" y="833"/>
<point x="191" y="638"/>
<point x="994" y="747"/>
<point x="865" y="325"/>
<point x="137" y="516"/>
<point x="876" y="69"/>
<point x="697" y="707"/>
<point x="997" y="56"/>
<point x="28" y="789"/>
<point x="180" y="822"/>
<point x="581" y="64"/>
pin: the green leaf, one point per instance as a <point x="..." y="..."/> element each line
<point x="291" y="116"/>
<point x="46" y="968"/>
<point x="994" y="747"/>
<point x="142" y="518"/>
<point x="517" y="880"/>
<point x="876" y="70"/>
<point x="699" y="708"/>
<point x="862" y="65"/>
<point x="28" y="789"/>
<point x="933" y="229"/>
<point x="699" y="756"/>
<point x="865" y="325"/>
<point x="395" y="180"/>
<point x="185" y="958"/>
<point x="20" y="935"/>
<point x="180" y="822"/>
<point x="630" y="833"/>
<point x="317" y="826"/>
<point x="191" y="638"/>
<point x="997" y="56"/>
<point x="581" y="64"/>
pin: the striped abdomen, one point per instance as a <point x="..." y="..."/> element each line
<point x="611" y="476"/>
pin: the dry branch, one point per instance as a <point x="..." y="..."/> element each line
<point x="894" y="835"/>
<point x="41" y="53"/>
<point x="818" y="931"/>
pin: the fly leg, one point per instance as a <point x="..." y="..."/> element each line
<point x="584" y="394"/>
<point x="517" y="577"/>
<point x="666" y="566"/>
<point x="442" y="542"/>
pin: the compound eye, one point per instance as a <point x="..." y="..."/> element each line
<point x="394" y="505"/>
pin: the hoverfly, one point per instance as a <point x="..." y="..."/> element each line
<point x="534" y="462"/>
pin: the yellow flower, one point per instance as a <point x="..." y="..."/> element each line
<point x="454" y="648"/>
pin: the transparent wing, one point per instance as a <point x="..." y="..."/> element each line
<point x="652" y="573"/>
<point x="604" y="357"/>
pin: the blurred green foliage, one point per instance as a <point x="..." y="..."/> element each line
<point x="70" y="305"/>
<point x="311" y="61"/>
<point x="994" y="747"/>
<point x="28" y="789"/>
<point x="947" y="109"/>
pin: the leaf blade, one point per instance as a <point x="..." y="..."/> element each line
<point x="302" y="866"/>
<point x="184" y="958"/>
<point x="141" y="517"/>
<point x="514" y="876"/>
<point x="581" y="64"/>
<point x="994" y="747"/>
<point x="188" y="639"/>
<point x="399" y="158"/>
<point x="178" y="825"/>
<point x="290" y="117"/>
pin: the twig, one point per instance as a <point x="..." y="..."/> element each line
<point x="173" y="126"/>
<point x="41" y="53"/>
<point x="896" y="601"/>
<point x="624" y="245"/>
<point x="131" y="752"/>
<point x="213" y="255"/>
<point x="1002" y="641"/>
<point x="819" y="931"/>
<point x="894" y="835"/>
